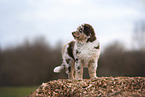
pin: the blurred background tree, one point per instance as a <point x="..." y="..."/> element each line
<point x="33" y="63"/>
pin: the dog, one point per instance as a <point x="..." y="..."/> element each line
<point x="83" y="52"/>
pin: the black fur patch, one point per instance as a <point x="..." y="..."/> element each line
<point x="77" y="52"/>
<point x="76" y="59"/>
<point x="70" y="49"/>
<point x="78" y="68"/>
<point x="69" y="68"/>
<point x="98" y="47"/>
<point x="67" y="61"/>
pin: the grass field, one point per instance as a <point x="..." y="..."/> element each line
<point x="16" y="91"/>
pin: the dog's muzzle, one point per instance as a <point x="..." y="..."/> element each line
<point x="73" y="33"/>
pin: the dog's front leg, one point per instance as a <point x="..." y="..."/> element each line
<point x="92" y="67"/>
<point x="78" y="70"/>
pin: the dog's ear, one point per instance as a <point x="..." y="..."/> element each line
<point x="89" y="31"/>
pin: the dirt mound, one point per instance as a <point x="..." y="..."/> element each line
<point x="101" y="86"/>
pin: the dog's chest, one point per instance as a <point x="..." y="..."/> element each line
<point x="87" y="50"/>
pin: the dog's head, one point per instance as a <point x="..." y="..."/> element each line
<point x="85" y="33"/>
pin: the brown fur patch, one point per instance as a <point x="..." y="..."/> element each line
<point x="70" y="49"/>
<point x="89" y="31"/>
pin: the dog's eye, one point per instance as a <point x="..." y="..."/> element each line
<point x="80" y="30"/>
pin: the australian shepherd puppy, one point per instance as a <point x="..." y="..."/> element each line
<point x="83" y="52"/>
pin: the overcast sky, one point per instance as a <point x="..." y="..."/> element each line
<point x="56" y="19"/>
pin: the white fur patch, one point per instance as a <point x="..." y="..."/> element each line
<point x="57" y="69"/>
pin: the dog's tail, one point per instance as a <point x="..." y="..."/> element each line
<point x="58" y="69"/>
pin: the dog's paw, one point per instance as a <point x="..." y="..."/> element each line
<point x="94" y="78"/>
<point x="79" y="79"/>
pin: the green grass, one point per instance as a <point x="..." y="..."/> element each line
<point x="16" y="91"/>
